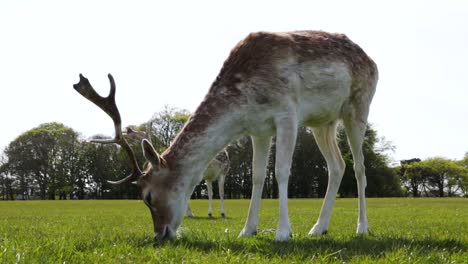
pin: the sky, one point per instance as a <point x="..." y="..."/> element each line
<point x="169" y="52"/>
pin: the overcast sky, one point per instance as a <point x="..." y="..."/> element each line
<point x="169" y="52"/>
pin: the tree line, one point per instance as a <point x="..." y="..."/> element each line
<point x="436" y="177"/>
<point x="53" y="161"/>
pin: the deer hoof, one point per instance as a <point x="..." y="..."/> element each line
<point x="247" y="233"/>
<point x="318" y="230"/>
<point x="362" y="228"/>
<point x="283" y="236"/>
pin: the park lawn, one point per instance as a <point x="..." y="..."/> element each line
<point x="403" y="230"/>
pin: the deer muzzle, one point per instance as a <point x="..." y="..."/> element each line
<point x="163" y="234"/>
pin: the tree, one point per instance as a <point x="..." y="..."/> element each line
<point x="41" y="157"/>
<point x="6" y="180"/>
<point x="438" y="176"/>
<point x="166" y="124"/>
<point x="409" y="179"/>
<point x="105" y="162"/>
<point x="309" y="169"/>
<point x="238" y="182"/>
<point x="464" y="182"/>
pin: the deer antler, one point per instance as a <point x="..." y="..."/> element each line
<point x="139" y="135"/>
<point x="108" y="105"/>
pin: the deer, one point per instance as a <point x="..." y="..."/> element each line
<point x="270" y="84"/>
<point x="216" y="170"/>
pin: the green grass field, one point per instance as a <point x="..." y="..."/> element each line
<point x="403" y="230"/>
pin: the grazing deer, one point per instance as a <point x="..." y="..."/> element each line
<point x="216" y="170"/>
<point x="270" y="84"/>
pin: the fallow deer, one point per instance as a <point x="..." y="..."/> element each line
<point x="270" y="84"/>
<point x="216" y="170"/>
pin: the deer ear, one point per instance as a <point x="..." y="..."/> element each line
<point x="150" y="153"/>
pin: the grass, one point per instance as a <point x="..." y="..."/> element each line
<point x="403" y="230"/>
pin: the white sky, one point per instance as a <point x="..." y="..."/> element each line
<point x="169" y="52"/>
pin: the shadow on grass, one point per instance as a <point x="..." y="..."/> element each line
<point x="208" y="217"/>
<point x="323" y="247"/>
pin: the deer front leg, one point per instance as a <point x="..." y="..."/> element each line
<point x="261" y="147"/>
<point x="209" y="186"/>
<point x="221" y="193"/>
<point x="189" y="211"/>
<point x="286" y="132"/>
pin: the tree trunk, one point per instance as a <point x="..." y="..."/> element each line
<point x="414" y="188"/>
<point x="441" y="188"/>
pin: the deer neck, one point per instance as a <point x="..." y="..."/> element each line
<point x="207" y="132"/>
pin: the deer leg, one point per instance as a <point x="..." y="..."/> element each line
<point x="326" y="141"/>
<point x="286" y="132"/>
<point x="355" y="131"/>
<point x="261" y="147"/>
<point x="209" y="186"/>
<point x="189" y="211"/>
<point x="221" y="193"/>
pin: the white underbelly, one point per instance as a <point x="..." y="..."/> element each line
<point x="324" y="89"/>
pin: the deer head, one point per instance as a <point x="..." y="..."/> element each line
<point x="155" y="180"/>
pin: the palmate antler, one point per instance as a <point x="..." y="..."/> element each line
<point x="108" y="105"/>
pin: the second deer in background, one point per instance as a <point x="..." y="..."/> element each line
<point x="216" y="170"/>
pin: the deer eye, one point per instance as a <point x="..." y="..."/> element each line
<point x="148" y="199"/>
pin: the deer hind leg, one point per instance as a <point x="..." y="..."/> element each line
<point x="209" y="186"/>
<point x="221" y="193"/>
<point x="326" y="141"/>
<point x="286" y="132"/>
<point x="261" y="147"/>
<point x="355" y="131"/>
